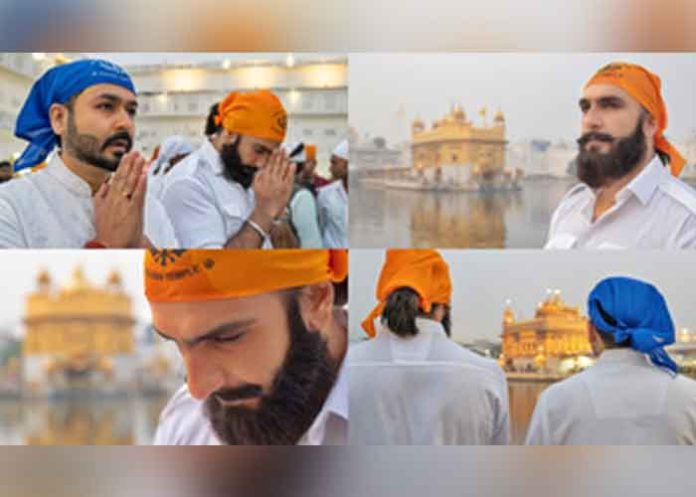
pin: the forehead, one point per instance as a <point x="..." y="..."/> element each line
<point x="252" y="141"/>
<point x="100" y="90"/>
<point x="187" y="320"/>
<point x="598" y="91"/>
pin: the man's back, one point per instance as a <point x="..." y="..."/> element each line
<point x="621" y="400"/>
<point x="416" y="391"/>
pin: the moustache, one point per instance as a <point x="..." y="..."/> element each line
<point x="120" y="136"/>
<point x="594" y="135"/>
<point x="238" y="393"/>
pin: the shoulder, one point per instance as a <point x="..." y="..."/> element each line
<point x="577" y="194"/>
<point x="684" y="387"/>
<point x="680" y="192"/>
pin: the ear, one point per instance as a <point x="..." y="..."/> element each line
<point x="58" y="114"/>
<point x="316" y="305"/>
<point x="439" y="312"/>
<point x="649" y="126"/>
<point x="595" y="340"/>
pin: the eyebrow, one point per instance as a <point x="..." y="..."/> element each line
<point x="610" y="99"/>
<point x="116" y="99"/>
<point x="215" y="332"/>
<point x="264" y="148"/>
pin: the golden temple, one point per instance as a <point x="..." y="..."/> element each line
<point x="555" y="342"/>
<point x="455" y="140"/>
<point x="78" y="337"/>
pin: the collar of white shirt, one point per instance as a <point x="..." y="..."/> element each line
<point x="644" y="185"/>
<point x="612" y="357"/>
<point x="71" y="181"/>
<point x="415" y="348"/>
<point x="212" y="157"/>
<point x="335" y="408"/>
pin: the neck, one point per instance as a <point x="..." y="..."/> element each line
<point x="337" y="341"/>
<point x="606" y="195"/>
<point x="92" y="175"/>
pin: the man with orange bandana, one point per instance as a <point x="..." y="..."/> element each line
<point x="410" y="383"/>
<point x="263" y="338"/>
<point x="630" y="196"/>
<point x="232" y="193"/>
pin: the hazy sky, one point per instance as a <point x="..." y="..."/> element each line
<point x="20" y="267"/>
<point x="482" y="280"/>
<point x="537" y="92"/>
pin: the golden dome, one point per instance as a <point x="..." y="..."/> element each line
<point x="43" y="278"/>
<point x="458" y="113"/>
<point x="499" y="117"/>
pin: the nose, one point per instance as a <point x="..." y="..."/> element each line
<point x="202" y="376"/>
<point x="125" y="121"/>
<point x="592" y="119"/>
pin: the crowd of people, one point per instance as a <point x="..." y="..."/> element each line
<point x="88" y="187"/>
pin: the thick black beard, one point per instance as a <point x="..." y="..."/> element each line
<point x="86" y="148"/>
<point x="596" y="169"/>
<point x="235" y="170"/>
<point x="298" y="393"/>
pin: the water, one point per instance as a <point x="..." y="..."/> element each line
<point x="523" y="398"/>
<point x="123" y="421"/>
<point x="382" y="218"/>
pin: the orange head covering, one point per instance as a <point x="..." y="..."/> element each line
<point x="191" y="275"/>
<point x="258" y="113"/>
<point x="423" y="271"/>
<point x="310" y="151"/>
<point x="645" y="87"/>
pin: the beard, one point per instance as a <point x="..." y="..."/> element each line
<point x="86" y="148"/>
<point x="595" y="169"/>
<point x="235" y="169"/>
<point x="298" y="393"/>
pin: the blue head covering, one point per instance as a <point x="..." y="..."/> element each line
<point x="56" y="86"/>
<point x="635" y="311"/>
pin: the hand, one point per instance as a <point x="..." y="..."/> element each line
<point x="282" y="236"/>
<point x="119" y="204"/>
<point x="273" y="185"/>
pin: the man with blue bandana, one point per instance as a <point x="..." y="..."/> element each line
<point x="91" y="193"/>
<point x="633" y="394"/>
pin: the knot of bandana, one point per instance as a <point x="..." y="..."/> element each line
<point x="634" y="311"/>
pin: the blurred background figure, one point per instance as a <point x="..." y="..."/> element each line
<point x="6" y="171"/>
<point x="302" y="207"/>
<point x="333" y="200"/>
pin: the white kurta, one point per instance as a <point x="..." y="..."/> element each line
<point x="622" y="400"/>
<point x="205" y="208"/>
<point x="654" y="211"/>
<point x="49" y="208"/>
<point x="183" y="420"/>
<point x="422" y="391"/>
<point x="332" y="204"/>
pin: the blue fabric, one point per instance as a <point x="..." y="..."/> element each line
<point x="56" y="86"/>
<point x="636" y="312"/>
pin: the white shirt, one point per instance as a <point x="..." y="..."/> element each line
<point x="49" y="208"/>
<point x="183" y="420"/>
<point x="332" y="202"/>
<point x="205" y="208"/>
<point x="422" y="390"/>
<point x="654" y="211"/>
<point x="622" y="400"/>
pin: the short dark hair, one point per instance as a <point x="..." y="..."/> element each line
<point x="607" y="338"/>
<point x="5" y="163"/>
<point x="70" y="105"/>
<point x="211" y="127"/>
<point x="403" y="307"/>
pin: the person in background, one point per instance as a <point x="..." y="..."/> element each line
<point x="332" y="200"/>
<point x="303" y="216"/>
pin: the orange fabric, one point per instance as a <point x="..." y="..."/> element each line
<point x="423" y="271"/>
<point x="645" y="87"/>
<point x="191" y="275"/>
<point x="311" y="151"/>
<point x="258" y="113"/>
